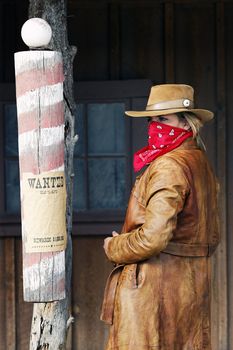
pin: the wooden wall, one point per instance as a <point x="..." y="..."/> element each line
<point x="90" y="271"/>
<point x="186" y="41"/>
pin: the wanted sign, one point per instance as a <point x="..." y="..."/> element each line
<point x="44" y="212"/>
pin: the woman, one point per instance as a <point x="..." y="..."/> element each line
<point x="158" y="295"/>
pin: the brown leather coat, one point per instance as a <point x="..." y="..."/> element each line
<point x="158" y="296"/>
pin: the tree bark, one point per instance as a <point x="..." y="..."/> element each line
<point x="50" y="321"/>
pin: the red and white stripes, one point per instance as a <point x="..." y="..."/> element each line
<point x="39" y="91"/>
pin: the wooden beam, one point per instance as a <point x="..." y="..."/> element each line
<point x="114" y="41"/>
<point x="219" y="300"/>
<point x="39" y="90"/>
<point x="169" y="42"/>
<point x="2" y="177"/>
<point x="9" y="252"/>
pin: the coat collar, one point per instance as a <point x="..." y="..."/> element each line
<point x="190" y="143"/>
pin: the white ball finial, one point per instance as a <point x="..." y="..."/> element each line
<point x="36" y="32"/>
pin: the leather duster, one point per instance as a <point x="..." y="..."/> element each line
<point x="158" y="295"/>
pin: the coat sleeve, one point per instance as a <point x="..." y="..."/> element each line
<point x="166" y="191"/>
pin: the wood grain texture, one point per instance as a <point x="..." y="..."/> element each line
<point x="169" y="42"/>
<point x="90" y="271"/>
<point x="3" y="316"/>
<point x="114" y="41"/>
<point x="141" y="46"/>
<point x="220" y="301"/>
<point x="228" y="15"/>
<point x="39" y="91"/>
<point x="51" y="321"/>
<point x="198" y="48"/>
<point x="195" y="62"/>
<point x="10" y="293"/>
<point x="23" y="309"/>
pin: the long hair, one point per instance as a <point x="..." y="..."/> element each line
<point x="195" y="124"/>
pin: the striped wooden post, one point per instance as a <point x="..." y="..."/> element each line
<point x="39" y="92"/>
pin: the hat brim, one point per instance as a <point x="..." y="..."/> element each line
<point x="203" y="114"/>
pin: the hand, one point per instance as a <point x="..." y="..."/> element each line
<point x="108" y="239"/>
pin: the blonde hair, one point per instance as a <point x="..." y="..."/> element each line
<point x="195" y="124"/>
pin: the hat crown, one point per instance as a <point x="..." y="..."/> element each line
<point x="170" y="92"/>
<point x="171" y="99"/>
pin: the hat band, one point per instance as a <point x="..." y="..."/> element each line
<point x="181" y="103"/>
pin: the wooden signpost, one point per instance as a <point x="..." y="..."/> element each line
<point x="39" y="92"/>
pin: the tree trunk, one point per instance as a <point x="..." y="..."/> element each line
<point x="51" y="320"/>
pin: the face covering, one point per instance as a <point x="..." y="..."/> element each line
<point x="162" y="138"/>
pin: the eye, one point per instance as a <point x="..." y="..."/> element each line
<point x="162" y="119"/>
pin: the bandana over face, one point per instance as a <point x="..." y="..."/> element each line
<point x="162" y="139"/>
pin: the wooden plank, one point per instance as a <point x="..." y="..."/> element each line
<point x="3" y="316"/>
<point x="88" y="332"/>
<point x="114" y="41"/>
<point x="1" y="41"/>
<point x="39" y="90"/>
<point x="229" y="175"/>
<point x="9" y="40"/>
<point x="220" y="305"/>
<point x="107" y="90"/>
<point x="23" y="309"/>
<point x="195" y="51"/>
<point x="141" y="48"/>
<point x="2" y="178"/>
<point x="10" y="310"/>
<point x="88" y="31"/>
<point x="169" y="42"/>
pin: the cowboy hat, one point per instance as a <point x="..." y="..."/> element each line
<point x="171" y="98"/>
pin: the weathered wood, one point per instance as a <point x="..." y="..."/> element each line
<point x="114" y="41"/>
<point x="220" y="300"/>
<point x="3" y="316"/>
<point x="195" y="63"/>
<point x="39" y="90"/>
<point x="88" y="332"/>
<point x="169" y="42"/>
<point x="141" y="40"/>
<point x="228" y="27"/>
<point x="51" y="320"/>
<point x="23" y="309"/>
<point x="10" y="308"/>
<point x="2" y="185"/>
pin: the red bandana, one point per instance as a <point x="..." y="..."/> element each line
<point x="162" y="139"/>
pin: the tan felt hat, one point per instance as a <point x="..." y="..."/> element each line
<point x="171" y="98"/>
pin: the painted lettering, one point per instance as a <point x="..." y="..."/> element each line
<point x="42" y="240"/>
<point x="31" y="182"/>
<point x="46" y="182"/>
<point x="38" y="184"/>
<point x="58" y="238"/>
<point x="53" y="179"/>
